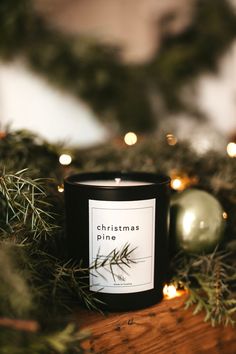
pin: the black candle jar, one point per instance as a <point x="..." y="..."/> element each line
<point x="109" y="212"/>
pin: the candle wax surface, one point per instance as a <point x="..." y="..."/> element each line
<point x="116" y="182"/>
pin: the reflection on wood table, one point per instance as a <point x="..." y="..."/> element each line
<point x="163" y="328"/>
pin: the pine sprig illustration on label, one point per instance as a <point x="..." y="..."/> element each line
<point x="121" y="258"/>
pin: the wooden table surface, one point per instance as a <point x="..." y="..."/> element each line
<point x="160" y="329"/>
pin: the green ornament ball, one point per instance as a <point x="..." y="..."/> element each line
<point x="196" y="221"/>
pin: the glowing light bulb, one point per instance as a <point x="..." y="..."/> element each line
<point x="170" y="292"/>
<point x="65" y="159"/>
<point x="231" y="149"/>
<point x="171" y="139"/>
<point x="225" y="215"/>
<point x="176" y="184"/>
<point x="130" y="138"/>
<point x="60" y="188"/>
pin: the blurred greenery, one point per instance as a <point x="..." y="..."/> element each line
<point x="121" y="95"/>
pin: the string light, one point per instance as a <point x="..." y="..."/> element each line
<point x="225" y="215"/>
<point x="130" y="138"/>
<point x="65" y="159"/>
<point x="181" y="181"/>
<point x="60" y="188"/>
<point x="171" y="139"/>
<point x="177" y="184"/>
<point x="231" y="149"/>
<point x="170" y="292"/>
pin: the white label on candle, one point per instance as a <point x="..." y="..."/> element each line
<point x="112" y="225"/>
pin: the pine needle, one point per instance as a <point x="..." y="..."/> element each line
<point x="23" y="203"/>
<point x="207" y="280"/>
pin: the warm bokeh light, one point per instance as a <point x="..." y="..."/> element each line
<point x="231" y="149"/>
<point x="170" y="292"/>
<point x="176" y="184"/>
<point x="180" y="180"/>
<point x="171" y="139"/>
<point x="2" y="134"/>
<point x="225" y="215"/>
<point x="60" y="188"/>
<point x="130" y="138"/>
<point x="65" y="159"/>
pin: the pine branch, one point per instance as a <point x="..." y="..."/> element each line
<point x="66" y="341"/>
<point x="16" y="295"/>
<point x="23" y="204"/>
<point x="73" y="278"/>
<point x="68" y="338"/>
<point x="207" y="279"/>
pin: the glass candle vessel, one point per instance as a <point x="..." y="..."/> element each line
<point x="117" y="225"/>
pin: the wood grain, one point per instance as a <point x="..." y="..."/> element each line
<point x="163" y="328"/>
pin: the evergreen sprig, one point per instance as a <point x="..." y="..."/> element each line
<point x="26" y="269"/>
<point x="72" y="278"/>
<point x="67" y="340"/>
<point x="23" y="201"/>
<point x="207" y="279"/>
<point x="16" y="295"/>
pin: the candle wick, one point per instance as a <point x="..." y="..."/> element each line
<point x="117" y="180"/>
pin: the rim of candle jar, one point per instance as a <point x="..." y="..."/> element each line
<point x="152" y="178"/>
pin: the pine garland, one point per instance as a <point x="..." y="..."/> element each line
<point x="120" y="94"/>
<point x="36" y="274"/>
